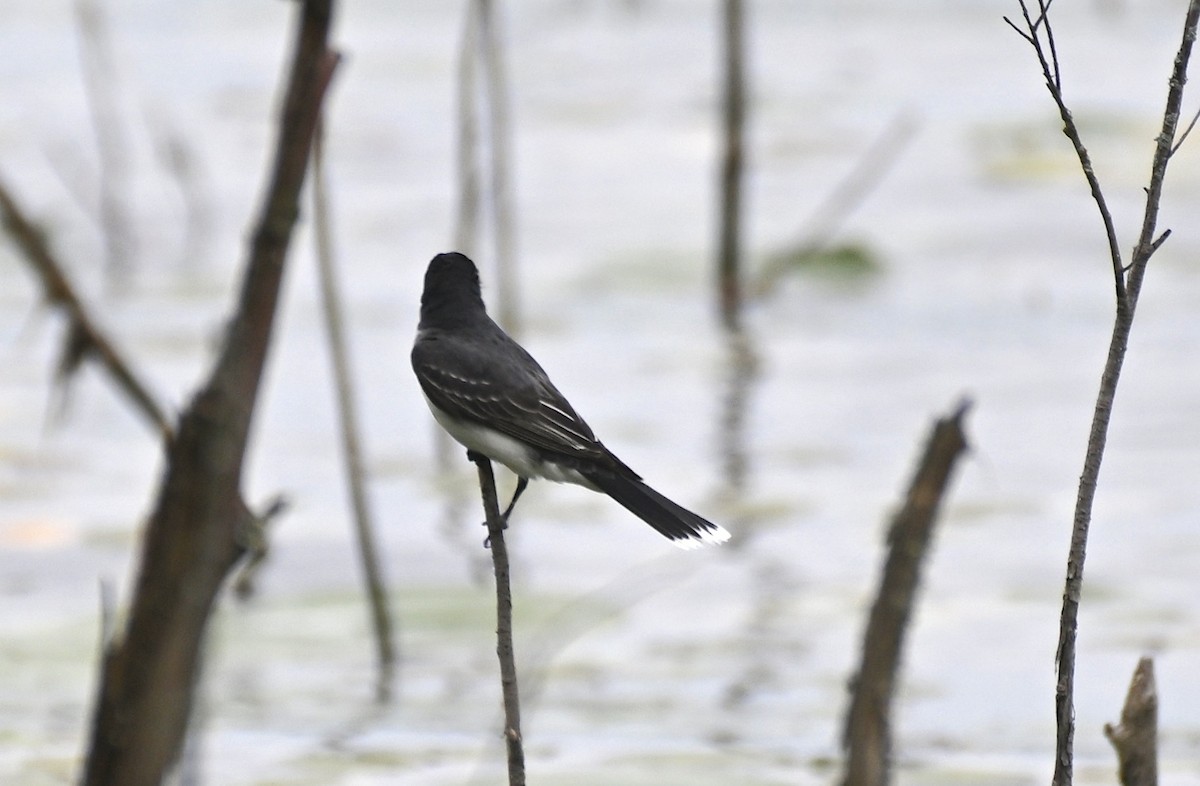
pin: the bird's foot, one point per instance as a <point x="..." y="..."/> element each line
<point x="487" y="542"/>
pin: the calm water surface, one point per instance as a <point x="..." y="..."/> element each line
<point x="641" y="664"/>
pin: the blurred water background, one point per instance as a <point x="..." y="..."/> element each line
<point x="988" y="277"/>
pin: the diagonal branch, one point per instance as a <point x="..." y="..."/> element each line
<point x="85" y="339"/>
<point x="1050" y="72"/>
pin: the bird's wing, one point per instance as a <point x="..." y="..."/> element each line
<point x="497" y="384"/>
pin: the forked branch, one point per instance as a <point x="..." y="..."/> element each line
<point x="1128" y="282"/>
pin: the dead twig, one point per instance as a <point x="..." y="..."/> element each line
<point x="1136" y="737"/>
<point x="84" y="338"/>
<point x="867" y="733"/>
<point x="1127" y="283"/>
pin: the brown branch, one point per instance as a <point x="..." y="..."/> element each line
<point x="1128" y="287"/>
<point x="200" y="524"/>
<point x="85" y="339"/>
<point x="867" y="734"/>
<point x="514" y="744"/>
<point x="1136" y="737"/>
<point x="339" y="352"/>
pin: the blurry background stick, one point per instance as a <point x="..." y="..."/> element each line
<point x="348" y="423"/>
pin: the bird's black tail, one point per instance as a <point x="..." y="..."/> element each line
<point x="683" y="527"/>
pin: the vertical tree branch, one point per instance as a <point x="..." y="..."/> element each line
<point x="504" y="638"/>
<point x="733" y="116"/>
<point x="1136" y="737"/>
<point x="867" y="733"/>
<point x="339" y="352"/>
<point x="1128" y="287"/>
<point x="200" y="525"/>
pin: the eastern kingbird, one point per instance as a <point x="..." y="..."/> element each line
<point x="494" y="398"/>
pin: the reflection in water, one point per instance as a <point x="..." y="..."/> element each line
<point x="741" y="375"/>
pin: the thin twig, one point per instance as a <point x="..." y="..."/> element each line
<point x="85" y="338"/>
<point x="867" y="733"/>
<point x="348" y="421"/>
<point x="1163" y="149"/>
<point x="504" y="631"/>
<point x="1054" y="84"/>
<point x="1183" y="137"/>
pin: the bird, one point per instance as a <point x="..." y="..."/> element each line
<point x="491" y="396"/>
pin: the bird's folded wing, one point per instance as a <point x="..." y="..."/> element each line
<point x="532" y="411"/>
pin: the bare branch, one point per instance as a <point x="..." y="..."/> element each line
<point x="1053" y="77"/>
<point x="1183" y="137"/>
<point x="867" y="733"/>
<point x="1162" y="153"/>
<point x="1128" y="285"/>
<point x="84" y="339"/>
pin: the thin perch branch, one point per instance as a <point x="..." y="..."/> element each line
<point x="85" y="338"/>
<point x="504" y="638"/>
<point x="867" y="733"/>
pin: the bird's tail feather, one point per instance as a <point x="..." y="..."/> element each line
<point x="684" y="528"/>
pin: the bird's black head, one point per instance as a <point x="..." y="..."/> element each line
<point x="452" y="292"/>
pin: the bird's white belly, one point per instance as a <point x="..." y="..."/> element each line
<point x="515" y="455"/>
